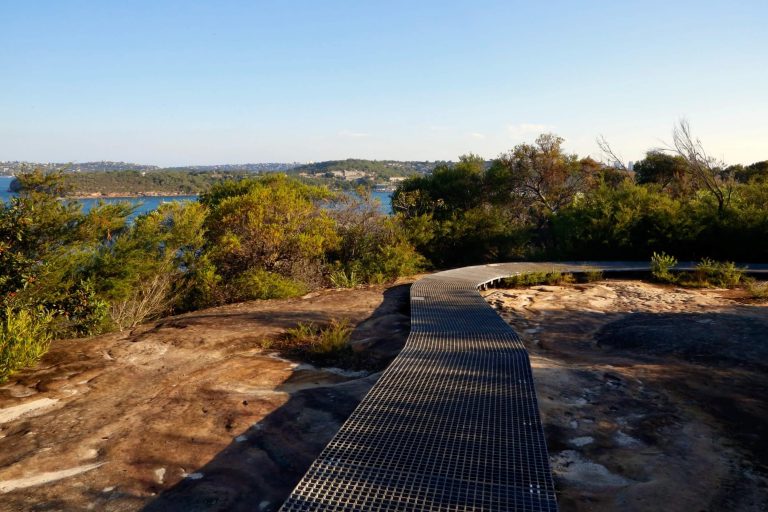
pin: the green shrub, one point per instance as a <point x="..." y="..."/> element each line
<point x="373" y="248"/>
<point x="558" y="278"/>
<point x="302" y="334"/>
<point x="534" y="278"/>
<point x="25" y="336"/>
<point x="756" y="289"/>
<point x="260" y="284"/>
<point x="516" y="281"/>
<point x="591" y="276"/>
<point x="708" y="273"/>
<point x="719" y="274"/>
<point x="144" y="271"/>
<point x="395" y="258"/>
<point x="523" y="280"/>
<point x="205" y="287"/>
<point x="537" y="278"/>
<point x="333" y="338"/>
<point x="661" y="265"/>
<point x="344" y="279"/>
<point x="377" y="278"/>
<point x="79" y="311"/>
<point x="272" y="223"/>
<point x="76" y="308"/>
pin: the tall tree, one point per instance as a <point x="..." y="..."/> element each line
<point x="541" y="173"/>
<point x="449" y="189"/>
<point x="705" y="171"/>
<point x="667" y="171"/>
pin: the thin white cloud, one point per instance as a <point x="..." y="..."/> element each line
<point x="476" y="135"/>
<point x="353" y="135"/>
<point x="527" y="130"/>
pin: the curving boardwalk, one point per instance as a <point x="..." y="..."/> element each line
<point x="453" y="423"/>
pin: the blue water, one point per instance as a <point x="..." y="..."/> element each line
<point x="5" y="182"/>
<point x="385" y="198"/>
<point x="147" y="204"/>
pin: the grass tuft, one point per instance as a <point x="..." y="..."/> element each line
<point x="342" y="279"/>
<point x="756" y="289"/>
<point x="324" y="344"/>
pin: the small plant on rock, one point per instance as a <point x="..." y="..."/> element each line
<point x="328" y="344"/>
<point x="344" y="279"/>
<point x="756" y="289"/>
<point x="591" y="276"/>
<point x="333" y="338"/>
<point x="661" y="266"/>
<point x="719" y="274"/>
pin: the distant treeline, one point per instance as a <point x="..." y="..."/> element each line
<point x="129" y="183"/>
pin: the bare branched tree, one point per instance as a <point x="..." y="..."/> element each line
<point x="704" y="170"/>
<point x="610" y="154"/>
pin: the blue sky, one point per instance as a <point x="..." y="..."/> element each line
<point x="192" y="82"/>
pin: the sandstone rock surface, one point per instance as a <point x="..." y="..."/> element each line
<point x="652" y="398"/>
<point x="187" y="413"/>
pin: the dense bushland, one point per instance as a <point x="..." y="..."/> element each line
<point x="66" y="273"/>
<point x="631" y="221"/>
<point x="539" y="202"/>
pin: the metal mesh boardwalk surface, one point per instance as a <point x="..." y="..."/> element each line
<point x="453" y="423"/>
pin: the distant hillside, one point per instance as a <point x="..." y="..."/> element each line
<point x="373" y="169"/>
<point x="17" y="167"/>
<point x="125" y="179"/>
<point x="376" y="168"/>
<point x="256" y="168"/>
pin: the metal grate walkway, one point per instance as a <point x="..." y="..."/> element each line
<point x="453" y="423"/>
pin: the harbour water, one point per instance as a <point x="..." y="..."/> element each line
<point x="147" y="204"/>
